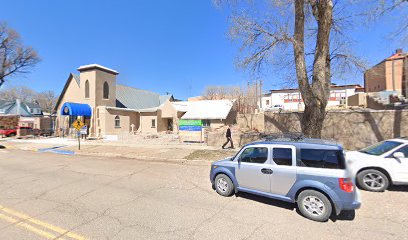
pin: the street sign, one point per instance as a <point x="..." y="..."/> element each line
<point x="78" y="124"/>
<point x="84" y="130"/>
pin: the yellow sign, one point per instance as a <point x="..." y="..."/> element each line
<point x="78" y="124"/>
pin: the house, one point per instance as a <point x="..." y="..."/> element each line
<point x="108" y="108"/>
<point x="28" y="114"/>
<point x="291" y="99"/>
<point x="390" y="75"/>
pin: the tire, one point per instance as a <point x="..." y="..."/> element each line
<point x="223" y="185"/>
<point x="11" y="135"/>
<point x="314" y="205"/>
<point x="373" y="180"/>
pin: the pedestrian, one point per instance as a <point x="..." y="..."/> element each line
<point x="229" y="138"/>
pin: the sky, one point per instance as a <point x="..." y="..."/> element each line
<point x="174" y="46"/>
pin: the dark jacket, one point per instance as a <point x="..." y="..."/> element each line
<point x="228" y="134"/>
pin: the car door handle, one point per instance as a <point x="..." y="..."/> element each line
<point x="266" y="171"/>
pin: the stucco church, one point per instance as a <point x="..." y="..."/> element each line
<point x="108" y="108"/>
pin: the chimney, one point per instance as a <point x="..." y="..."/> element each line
<point x="398" y="51"/>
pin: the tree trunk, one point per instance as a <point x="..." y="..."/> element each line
<point x="315" y="95"/>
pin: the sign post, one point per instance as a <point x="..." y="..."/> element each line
<point x="78" y="124"/>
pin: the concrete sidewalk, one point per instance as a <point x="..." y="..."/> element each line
<point x="143" y="151"/>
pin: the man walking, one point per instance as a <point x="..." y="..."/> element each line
<point x="229" y="138"/>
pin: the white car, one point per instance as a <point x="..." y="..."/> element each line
<point x="380" y="165"/>
<point x="276" y="107"/>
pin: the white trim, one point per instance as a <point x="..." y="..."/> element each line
<point x="98" y="66"/>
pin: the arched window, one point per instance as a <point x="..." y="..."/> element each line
<point x="117" y="122"/>
<point x="87" y="89"/>
<point x="106" y="90"/>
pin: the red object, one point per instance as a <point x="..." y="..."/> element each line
<point x="346" y="184"/>
<point x="8" y="132"/>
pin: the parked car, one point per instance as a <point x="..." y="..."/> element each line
<point x="46" y="132"/>
<point x="8" y="132"/>
<point x="310" y="173"/>
<point x="380" y="165"/>
<point x="276" y="107"/>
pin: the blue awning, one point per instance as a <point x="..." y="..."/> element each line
<point x="76" y="109"/>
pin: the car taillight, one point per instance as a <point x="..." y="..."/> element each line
<point x="346" y="184"/>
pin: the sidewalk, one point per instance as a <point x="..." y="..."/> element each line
<point x="180" y="152"/>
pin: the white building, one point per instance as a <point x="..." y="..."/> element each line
<point x="291" y="99"/>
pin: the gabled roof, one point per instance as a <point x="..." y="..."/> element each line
<point x="6" y="105"/>
<point x="207" y="109"/>
<point x="134" y="98"/>
<point x="70" y="77"/>
<point x="33" y="105"/>
<point x="10" y="107"/>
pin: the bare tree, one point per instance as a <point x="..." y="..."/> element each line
<point x="23" y="93"/>
<point x="310" y="34"/>
<point x="14" y="57"/>
<point x="46" y="100"/>
<point x="245" y="98"/>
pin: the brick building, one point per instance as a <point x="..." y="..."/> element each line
<point x="390" y="75"/>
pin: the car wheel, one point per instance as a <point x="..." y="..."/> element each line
<point x="11" y="135"/>
<point x="373" y="180"/>
<point x="224" y="185"/>
<point x="314" y="205"/>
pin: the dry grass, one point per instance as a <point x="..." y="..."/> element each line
<point x="211" y="155"/>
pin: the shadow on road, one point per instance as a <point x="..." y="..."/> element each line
<point x="265" y="200"/>
<point x="2" y="147"/>
<point x="344" y="215"/>
<point x="398" y="188"/>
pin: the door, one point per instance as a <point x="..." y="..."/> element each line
<point x="253" y="170"/>
<point x="283" y="165"/>
<point x="400" y="166"/>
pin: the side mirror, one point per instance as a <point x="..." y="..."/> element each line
<point x="398" y="155"/>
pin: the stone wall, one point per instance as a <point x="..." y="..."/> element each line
<point x="251" y="121"/>
<point x="9" y="121"/>
<point x="354" y="129"/>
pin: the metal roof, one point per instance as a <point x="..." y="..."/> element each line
<point x="77" y="79"/>
<point x="135" y="98"/>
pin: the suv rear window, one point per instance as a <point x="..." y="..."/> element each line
<point x="317" y="158"/>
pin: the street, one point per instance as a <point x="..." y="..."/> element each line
<point x="49" y="196"/>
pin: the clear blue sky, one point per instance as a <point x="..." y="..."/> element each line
<point x="175" y="46"/>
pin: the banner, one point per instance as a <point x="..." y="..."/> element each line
<point x="184" y="122"/>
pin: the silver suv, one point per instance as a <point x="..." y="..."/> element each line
<point x="308" y="172"/>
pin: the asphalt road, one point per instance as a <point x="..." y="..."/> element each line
<point x="49" y="196"/>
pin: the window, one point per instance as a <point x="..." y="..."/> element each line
<point x="106" y="90"/>
<point x="153" y="123"/>
<point x="380" y="148"/>
<point x="87" y="89"/>
<point x="254" y="155"/>
<point x="206" y="123"/>
<point x="404" y="150"/>
<point x="117" y="122"/>
<point x="267" y="102"/>
<point x="282" y="156"/>
<point x="316" y="158"/>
